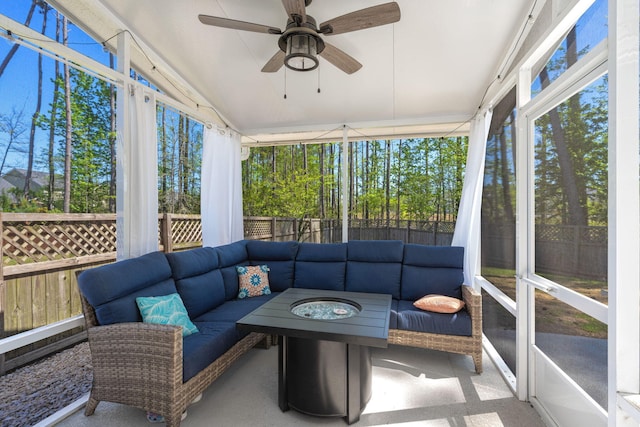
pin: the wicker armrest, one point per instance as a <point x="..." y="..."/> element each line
<point x="473" y="302"/>
<point x="472" y="299"/>
<point x="142" y="356"/>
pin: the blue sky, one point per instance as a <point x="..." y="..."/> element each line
<point x="591" y="30"/>
<point x="18" y="84"/>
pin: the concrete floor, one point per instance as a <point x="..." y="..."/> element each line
<point x="411" y="387"/>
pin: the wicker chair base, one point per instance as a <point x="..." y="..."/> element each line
<point x="172" y="401"/>
<point x="451" y="343"/>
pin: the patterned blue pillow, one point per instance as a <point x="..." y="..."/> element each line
<point x="253" y="280"/>
<point x="166" y="310"/>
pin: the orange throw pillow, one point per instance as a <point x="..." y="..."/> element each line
<point x="439" y="304"/>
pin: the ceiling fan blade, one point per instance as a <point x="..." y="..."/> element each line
<point x="237" y="25"/>
<point x="275" y="63"/>
<point x="382" y="14"/>
<point x="340" y="59"/>
<point x="295" y="8"/>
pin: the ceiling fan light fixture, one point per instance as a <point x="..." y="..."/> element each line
<point x="301" y="52"/>
<point x="300" y="43"/>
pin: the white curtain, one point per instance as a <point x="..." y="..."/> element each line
<point x="467" y="232"/>
<point x="221" y="187"/>
<point x="137" y="177"/>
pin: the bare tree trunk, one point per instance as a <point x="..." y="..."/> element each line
<point x="69" y="128"/>
<point x="36" y="113"/>
<point x="459" y="159"/>
<point x="181" y="157"/>
<point x="15" y="47"/>
<point x="367" y="180"/>
<point x="387" y="179"/>
<point x="164" y="181"/>
<point x="337" y="199"/>
<point x="399" y="180"/>
<point x="186" y="161"/>
<point x="293" y="160"/>
<point x="355" y="175"/>
<point x="506" y="187"/>
<point x="321" y="189"/>
<point x="440" y="198"/>
<point x="274" y="171"/>
<point x="112" y="141"/>
<point x="335" y="179"/>
<point x="567" y="170"/>
<point x="14" y="127"/>
<point x="52" y="125"/>
<point x="305" y="166"/>
<point x="351" y="189"/>
<point x="427" y="176"/>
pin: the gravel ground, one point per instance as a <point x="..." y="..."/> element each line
<point x="32" y="393"/>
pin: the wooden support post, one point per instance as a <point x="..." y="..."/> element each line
<point x="273" y="229"/>
<point x="166" y="234"/>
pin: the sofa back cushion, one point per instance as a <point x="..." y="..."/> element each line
<point x="432" y="270"/>
<point x="198" y="279"/>
<point x="321" y="266"/>
<point x="279" y="257"/>
<point x="230" y="256"/>
<point x="112" y="289"/>
<point x="374" y="266"/>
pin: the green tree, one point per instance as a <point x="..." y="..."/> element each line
<point x="417" y="177"/>
<point x="179" y="162"/>
<point x="91" y="136"/>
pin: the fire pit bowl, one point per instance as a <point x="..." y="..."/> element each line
<point x="325" y="308"/>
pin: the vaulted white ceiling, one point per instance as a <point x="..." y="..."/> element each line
<point x="424" y="75"/>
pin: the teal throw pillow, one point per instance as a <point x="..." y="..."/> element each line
<point x="253" y="280"/>
<point x="166" y="310"/>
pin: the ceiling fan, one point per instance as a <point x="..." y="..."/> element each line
<point x="300" y="42"/>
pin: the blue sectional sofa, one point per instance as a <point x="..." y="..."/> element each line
<point x="153" y="367"/>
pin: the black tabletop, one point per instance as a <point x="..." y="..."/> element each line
<point x="370" y="327"/>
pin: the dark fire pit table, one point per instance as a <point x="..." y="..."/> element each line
<point x="324" y="360"/>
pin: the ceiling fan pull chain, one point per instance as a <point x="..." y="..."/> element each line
<point x="318" y="79"/>
<point x="285" y="83"/>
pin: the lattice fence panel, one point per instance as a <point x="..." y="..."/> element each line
<point x="594" y="234"/>
<point x="186" y="230"/>
<point x="257" y="228"/>
<point x="446" y="227"/>
<point x="26" y="242"/>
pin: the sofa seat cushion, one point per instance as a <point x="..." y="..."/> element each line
<point x="393" y="314"/>
<point x="279" y="257"/>
<point x="411" y="318"/>
<point x="112" y="289"/>
<point x="234" y="310"/>
<point x="200" y="350"/>
<point x="321" y="266"/>
<point x="198" y="279"/>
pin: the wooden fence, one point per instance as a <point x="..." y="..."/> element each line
<point x="330" y="230"/>
<point x="568" y="250"/>
<point x="40" y="255"/>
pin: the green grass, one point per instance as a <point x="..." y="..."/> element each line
<point x="498" y="272"/>
<point x="589" y="324"/>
